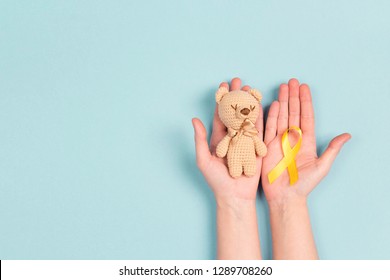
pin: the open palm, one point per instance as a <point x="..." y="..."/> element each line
<point x="294" y="108"/>
<point x="214" y="168"/>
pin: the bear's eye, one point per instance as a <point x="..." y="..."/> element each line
<point x="252" y="107"/>
<point x="234" y="107"/>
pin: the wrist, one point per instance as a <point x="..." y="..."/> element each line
<point x="235" y="205"/>
<point x="292" y="236"/>
<point x="237" y="229"/>
<point x="287" y="204"/>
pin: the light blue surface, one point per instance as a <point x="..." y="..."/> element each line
<point x="96" y="101"/>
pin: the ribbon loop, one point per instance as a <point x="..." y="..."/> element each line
<point x="288" y="160"/>
<point x="247" y="128"/>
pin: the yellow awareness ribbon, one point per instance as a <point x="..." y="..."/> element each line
<point x="288" y="160"/>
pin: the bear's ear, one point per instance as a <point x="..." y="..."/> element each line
<point x="256" y="94"/>
<point x="220" y="93"/>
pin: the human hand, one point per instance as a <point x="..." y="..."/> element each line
<point x="294" y="108"/>
<point x="237" y="230"/>
<point x="226" y="189"/>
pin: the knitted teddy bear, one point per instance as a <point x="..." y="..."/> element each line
<point x="238" y="110"/>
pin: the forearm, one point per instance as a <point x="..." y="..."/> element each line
<point x="292" y="236"/>
<point x="237" y="232"/>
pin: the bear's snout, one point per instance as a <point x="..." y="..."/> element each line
<point x="245" y="111"/>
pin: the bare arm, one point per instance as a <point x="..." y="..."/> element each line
<point x="237" y="231"/>
<point x="292" y="236"/>
<point x="235" y="198"/>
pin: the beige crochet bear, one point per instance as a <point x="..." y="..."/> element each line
<point x="238" y="110"/>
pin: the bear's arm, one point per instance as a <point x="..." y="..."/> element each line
<point x="223" y="146"/>
<point x="260" y="147"/>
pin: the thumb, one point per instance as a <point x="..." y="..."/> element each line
<point x="203" y="154"/>
<point x="330" y="154"/>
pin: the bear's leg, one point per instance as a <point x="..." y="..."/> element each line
<point x="235" y="169"/>
<point x="250" y="168"/>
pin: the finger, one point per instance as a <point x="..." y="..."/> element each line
<point x="272" y="121"/>
<point x="224" y="84"/>
<point x="235" y="84"/>
<point x="283" y="109"/>
<point x="330" y="154"/>
<point x="260" y="122"/>
<point x="203" y="155"/>
<point x="293" y="103"/>
<point x="307" y="111"/>
<point x="219" y="131"/>
<point x="246" y="88"/>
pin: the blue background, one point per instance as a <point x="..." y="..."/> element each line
<point x="96" y="100"/>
